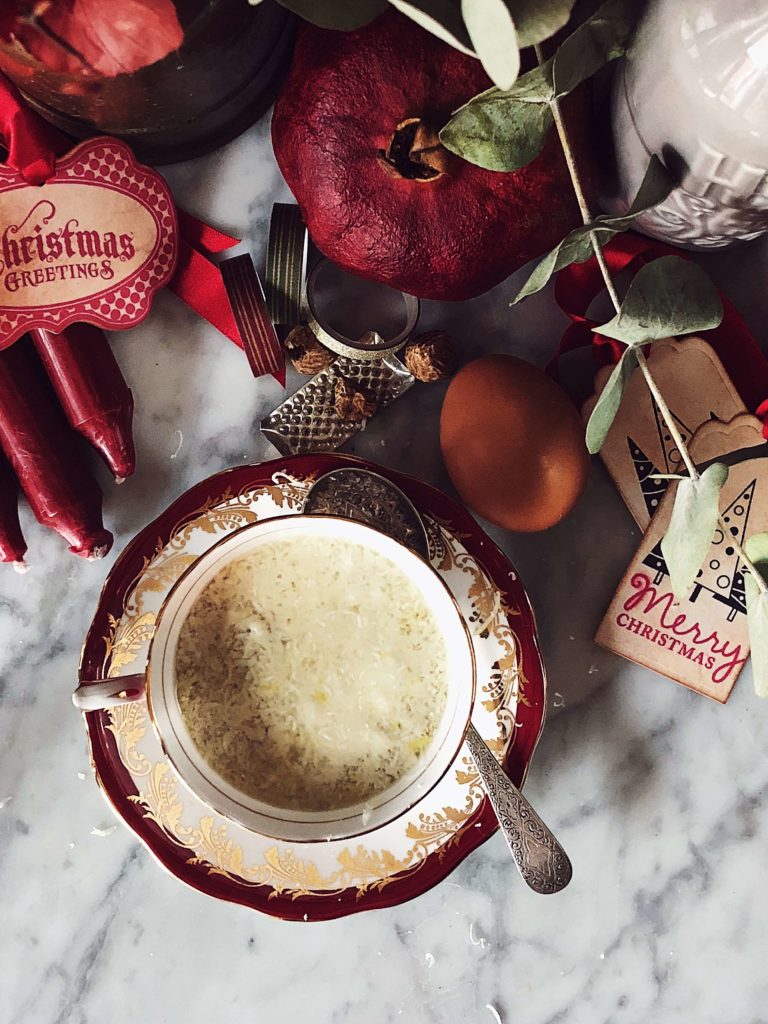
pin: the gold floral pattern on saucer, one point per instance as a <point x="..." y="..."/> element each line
<point x="343" y="875"/>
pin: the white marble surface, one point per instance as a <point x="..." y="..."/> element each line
<point x="660" y="796"/>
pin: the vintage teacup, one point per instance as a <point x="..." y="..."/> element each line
<point x="158" y="684"/>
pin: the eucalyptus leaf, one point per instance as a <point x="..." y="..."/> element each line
<point x="577" y="246"/>
<point x="756" y="547"/>
<point x="494" y="130"/>
<point x="692" y="526"/>
<point x="656" y="185"/>
<point x="757" y="611"/>
<point x="494" y="38"/>
<point x="757" y="623"/>
<point x="339" y="14"/>
<point x="601" y="39"/>
<point x="537" y="21"/>
<point x="574" y="248"/>
<point x="498" y="133"/>
<point x="535" y="86"/>
<point x="440" y="17"/>
<point x="666" y="297"/>
<point x="609" y="400"/>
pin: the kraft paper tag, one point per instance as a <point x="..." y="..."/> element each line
<point x="701" y="642"/>
<point x="697" y="389"/>
<point x="94" y="243"/>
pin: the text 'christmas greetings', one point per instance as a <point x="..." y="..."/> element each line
<point x="94" y="243"/>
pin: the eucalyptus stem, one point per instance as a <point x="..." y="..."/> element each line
<point x="666" y="412"/>
<point x="581" y="199"/>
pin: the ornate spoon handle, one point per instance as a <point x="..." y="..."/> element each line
<point x="541" y="860"/>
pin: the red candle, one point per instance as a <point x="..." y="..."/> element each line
<point x="13" y="547"/>
<point x="42" y="451"/>
<point x="92" y="391"/>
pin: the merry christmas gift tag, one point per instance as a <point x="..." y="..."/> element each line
<point x="701" y="642"/>
<point x="94" y="243"/>
<point x="638" y="446"/>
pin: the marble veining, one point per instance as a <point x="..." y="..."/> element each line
<point x="659" y="796"/>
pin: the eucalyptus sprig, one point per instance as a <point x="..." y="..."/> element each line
<point x="671" y="296"/>
<point x="577" y="247"/>
<point x="494" y="31"/>
<point x="503" y="129"/>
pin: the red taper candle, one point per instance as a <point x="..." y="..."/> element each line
<point x="92" y="391"/>
<point x="42" y="450"/>
<point x="13" y="547"/>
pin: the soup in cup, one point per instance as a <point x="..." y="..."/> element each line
<point x="308" y="677"/>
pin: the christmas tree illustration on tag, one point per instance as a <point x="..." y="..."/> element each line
<point x="722" y="574"/>
<point x="702" y="641"/>
<point x="639" y="447"/>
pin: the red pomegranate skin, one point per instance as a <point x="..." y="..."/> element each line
<point x="453" y="237"/>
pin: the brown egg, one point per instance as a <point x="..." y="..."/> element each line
<point x="513" y="443"/>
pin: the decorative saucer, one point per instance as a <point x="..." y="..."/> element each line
<point x="309" y="881"/>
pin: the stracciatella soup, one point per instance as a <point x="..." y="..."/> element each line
<point x="311" y="676"/>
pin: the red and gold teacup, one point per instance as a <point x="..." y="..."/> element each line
<point x="159" y="686"/>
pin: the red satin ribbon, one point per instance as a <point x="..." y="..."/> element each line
<point x="31" y="143"/>
<point x="33" y="146"/>
<point x="577" y="285"/>
<point x="197" y="280"/>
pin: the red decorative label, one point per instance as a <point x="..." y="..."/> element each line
<point x="94" y="243"/>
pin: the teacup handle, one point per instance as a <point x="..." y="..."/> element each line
<point x="97" y="694"/>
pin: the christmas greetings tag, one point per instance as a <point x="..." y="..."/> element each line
<point x="94" y="243"/>
<point x="697" y="389"/>
<point x="701" y="642"/>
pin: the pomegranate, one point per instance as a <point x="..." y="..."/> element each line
<point x="355" y="132"/>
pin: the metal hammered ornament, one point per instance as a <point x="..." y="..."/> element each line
<point x="308" y="420"/>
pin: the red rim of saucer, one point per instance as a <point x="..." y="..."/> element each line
<point x="118" y="787"/>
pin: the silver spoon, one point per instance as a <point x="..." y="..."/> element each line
<point x="540" y="858"/>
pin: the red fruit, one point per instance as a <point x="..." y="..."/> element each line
<point x="355" y="135"/>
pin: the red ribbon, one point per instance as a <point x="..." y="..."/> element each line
<point x="197" y="280"/>
<point x="33" y="146"/>
<point x="579" y="284"/>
